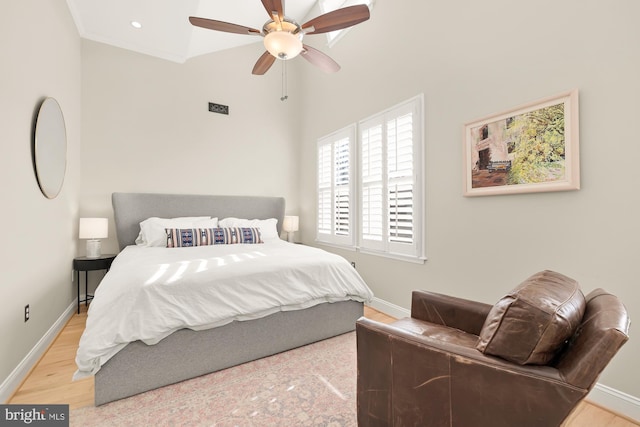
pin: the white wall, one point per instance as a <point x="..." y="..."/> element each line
<point x="471" y="59"/>
<point x="40" y="50"/>
<point x="147" y="128"/>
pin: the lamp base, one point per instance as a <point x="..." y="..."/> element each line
<point x="93" y="248"/>
<point x="290" y="236"/>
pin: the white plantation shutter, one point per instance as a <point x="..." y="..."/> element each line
<point x="324" y="189"/>
<point x="400" y="171"/>
<point x="376" y="195"/>
<point x="342" y="155"/>
<point x="335" y="187"/>
<point x="391" y="181"/>
<point x="401" y="213"/>
<point x="371" y="188"/>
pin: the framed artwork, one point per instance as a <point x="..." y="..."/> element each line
<point x="531" y="148"/>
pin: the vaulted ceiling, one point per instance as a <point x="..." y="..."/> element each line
<point x="166" y="32"/>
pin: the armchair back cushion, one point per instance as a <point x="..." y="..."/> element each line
<point x="532" y="323"/>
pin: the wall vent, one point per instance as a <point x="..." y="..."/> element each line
<point x="218" y="108"/>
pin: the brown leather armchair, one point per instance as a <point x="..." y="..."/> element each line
<point x="431" y="370"/>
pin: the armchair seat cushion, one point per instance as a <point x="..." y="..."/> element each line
<point x="533" y="322"/>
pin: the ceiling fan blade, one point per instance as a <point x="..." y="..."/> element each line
<point x="337" y="20"/>
<point x="263" y="64"/>
<point x="226" y="27"/>
<point x="319" y="59"/>
<point x="274" y="6"/>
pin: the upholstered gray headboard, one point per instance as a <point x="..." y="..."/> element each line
<point x="132" y="208"/>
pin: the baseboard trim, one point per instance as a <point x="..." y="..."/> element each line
<point x="616" y="401"/>
<point x="17" y="376"/>
<point x="389" y="308"/>
<point x="609" y="398"/>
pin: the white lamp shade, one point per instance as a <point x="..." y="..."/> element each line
<point x="290" y="223"/>
<point x="282" y="44"/>
<point x="94" y="228"/>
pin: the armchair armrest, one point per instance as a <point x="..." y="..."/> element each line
<point x="466" y="315"/>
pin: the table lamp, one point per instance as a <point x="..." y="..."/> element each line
<point x="93" y="229"/>
<point x="290" y="225"/>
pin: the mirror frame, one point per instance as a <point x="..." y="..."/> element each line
<point x="50" y="148"/>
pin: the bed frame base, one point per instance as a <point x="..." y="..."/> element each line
<point x="140" y="367"/>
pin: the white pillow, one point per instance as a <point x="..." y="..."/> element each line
<point x="152" y="229"/>
<point x="268" y="227"/>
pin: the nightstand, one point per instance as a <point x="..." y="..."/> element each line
<point x="103" y="262"/>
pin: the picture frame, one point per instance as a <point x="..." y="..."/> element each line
<point x="527" y="149"/>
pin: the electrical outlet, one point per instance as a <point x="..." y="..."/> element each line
<point x="26" y="312"/>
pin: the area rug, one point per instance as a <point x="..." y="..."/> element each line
<point x="314" y="385"/>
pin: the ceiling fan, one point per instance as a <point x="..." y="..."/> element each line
<point x="283" y="36"/>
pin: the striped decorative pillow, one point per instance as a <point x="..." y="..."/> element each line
<point x="187" y="237"/>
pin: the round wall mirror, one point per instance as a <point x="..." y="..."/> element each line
<point x="50" y="148"/>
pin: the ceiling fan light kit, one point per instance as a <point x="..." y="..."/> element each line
<point x="284" y="39"/>
<point x="283" y="36"/>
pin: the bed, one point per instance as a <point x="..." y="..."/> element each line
<point x="188" y="352"/>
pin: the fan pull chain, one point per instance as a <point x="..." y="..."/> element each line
<point x="284" y="96"/>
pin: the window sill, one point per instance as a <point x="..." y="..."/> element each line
<point x="336" y="245"/>
<point x="398" y="257"/>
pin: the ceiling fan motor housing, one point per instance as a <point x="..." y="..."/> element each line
<point x="283" y="39"/>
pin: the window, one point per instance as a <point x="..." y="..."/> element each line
<point x="379" y="209"/>
<point x="391" y="181"/>
<point x="335" y="187"/>
<point x="327" y="6"/>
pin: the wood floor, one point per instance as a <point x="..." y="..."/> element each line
<point x="50" y="380"/>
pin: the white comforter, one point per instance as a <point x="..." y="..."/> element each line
<point x="151" y="292"/>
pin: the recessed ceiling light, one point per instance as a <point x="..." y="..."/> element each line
<point x="136" y="24"/>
